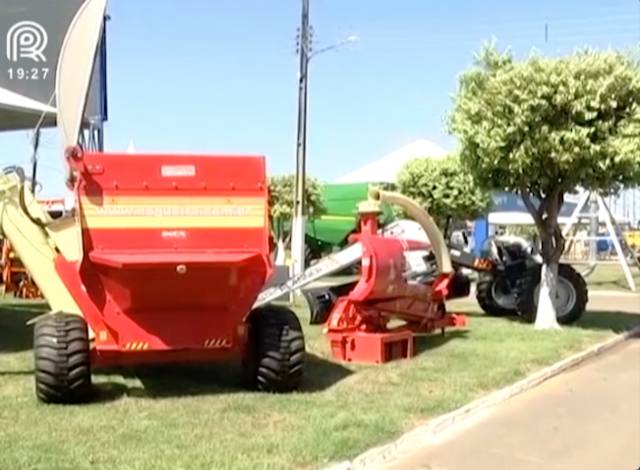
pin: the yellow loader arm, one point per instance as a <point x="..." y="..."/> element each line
<point x="37" y="239"/>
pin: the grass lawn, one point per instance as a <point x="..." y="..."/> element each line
<point x="610" y="277"/>
<point x="199" y="417"/>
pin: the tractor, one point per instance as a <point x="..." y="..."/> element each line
<point x="509" y="279"/>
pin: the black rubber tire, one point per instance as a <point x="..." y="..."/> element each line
<point x="61" y="359"/>
<point x="484" y="296"/>
<point x="527" y="302"/>
<point x="322" y="300"/>
<point x="277" y="350"/>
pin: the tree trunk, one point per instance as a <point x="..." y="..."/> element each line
<point x="281" y="252"/>
<point x="546" y="219"/>
<point x="546" y="311"/>
<point x="446" y="228"/>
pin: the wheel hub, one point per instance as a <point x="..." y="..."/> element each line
<point x="503" y="295"/>
<point x="565" y="296"/>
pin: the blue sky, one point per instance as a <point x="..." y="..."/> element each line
<point x="219" y="76"/>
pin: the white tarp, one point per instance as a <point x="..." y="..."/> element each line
<point x="386" y="169"/>
<point x="20" y="112"/>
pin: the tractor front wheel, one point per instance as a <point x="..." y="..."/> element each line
<point x="275" y="359"/>
<point x="62" y="363"/>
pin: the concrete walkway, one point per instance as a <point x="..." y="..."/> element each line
<point x="585" y="419"/>
<point x="620" y="302"/>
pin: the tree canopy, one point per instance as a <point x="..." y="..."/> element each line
<point x="281" y="199"/>
<point x="444" y="187"/>
<point x="546" y="126"/>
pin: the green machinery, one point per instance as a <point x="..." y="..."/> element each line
<point x="331" y="230"/>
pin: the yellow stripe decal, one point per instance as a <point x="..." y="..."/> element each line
<point x="173" y="212"/>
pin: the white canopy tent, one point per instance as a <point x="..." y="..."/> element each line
<point x="386" y="169"/>
<point x="20" y="112"/>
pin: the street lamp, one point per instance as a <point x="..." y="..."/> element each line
<point x="298" y="223"/>
<point x="343" y="42"/>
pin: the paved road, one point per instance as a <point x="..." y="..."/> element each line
<point x="607" y="301"/>
<point x="585" y="419"/>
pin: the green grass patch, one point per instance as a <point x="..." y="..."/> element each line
<point x="610" y="276"/>
<point x="200" y="417"/>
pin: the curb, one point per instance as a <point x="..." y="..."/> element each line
<point x="424" y="434"/>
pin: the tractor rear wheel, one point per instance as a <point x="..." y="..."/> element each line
<point x="495" y="296"/>
<point x="62" y="363"/>
<point x="571" y="297"/>
<point x="276" y="350"/>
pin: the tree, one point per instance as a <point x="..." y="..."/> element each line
<point x="445" y="188"/>
<point x="543" y="127"/>
<point x="281" y="196"/>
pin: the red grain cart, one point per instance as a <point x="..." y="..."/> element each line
<point x="173" y="253"/>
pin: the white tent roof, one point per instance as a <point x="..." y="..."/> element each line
<point x="516" y="218"/>
<point x="386" y="169"/>
<point x="20" y="112"/>
<point x="523" y="218"/>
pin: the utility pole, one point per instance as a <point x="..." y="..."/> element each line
<point x="299" y="209"/>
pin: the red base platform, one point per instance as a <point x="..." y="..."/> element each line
<point x="372" y="348"/>
<point x="366" y="347"/>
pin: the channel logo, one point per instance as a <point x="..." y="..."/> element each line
<point x="26" y="40"/>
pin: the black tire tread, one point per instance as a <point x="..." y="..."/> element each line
<point x="278" y="350"/>
<point x="61" y="359"/>
<point x="484" y="297"/>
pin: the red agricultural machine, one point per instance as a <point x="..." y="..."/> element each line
<point x="358" y="325"/>
<point x="401" y="291"/>
<point x="160" y="261"/>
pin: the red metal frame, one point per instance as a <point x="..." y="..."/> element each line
<point x="175" y="252"/>
<point x="358" y="325"/>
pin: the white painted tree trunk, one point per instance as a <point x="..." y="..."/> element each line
<point x="546" y="312"/>
<point x="280" y="252"/>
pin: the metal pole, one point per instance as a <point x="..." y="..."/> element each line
<point x="100" y="136"/>
<point x="34" y="160"/>
<point x="609" y="220"/>
<point x="298" y="224"/>
<point x="593" y="228"/>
